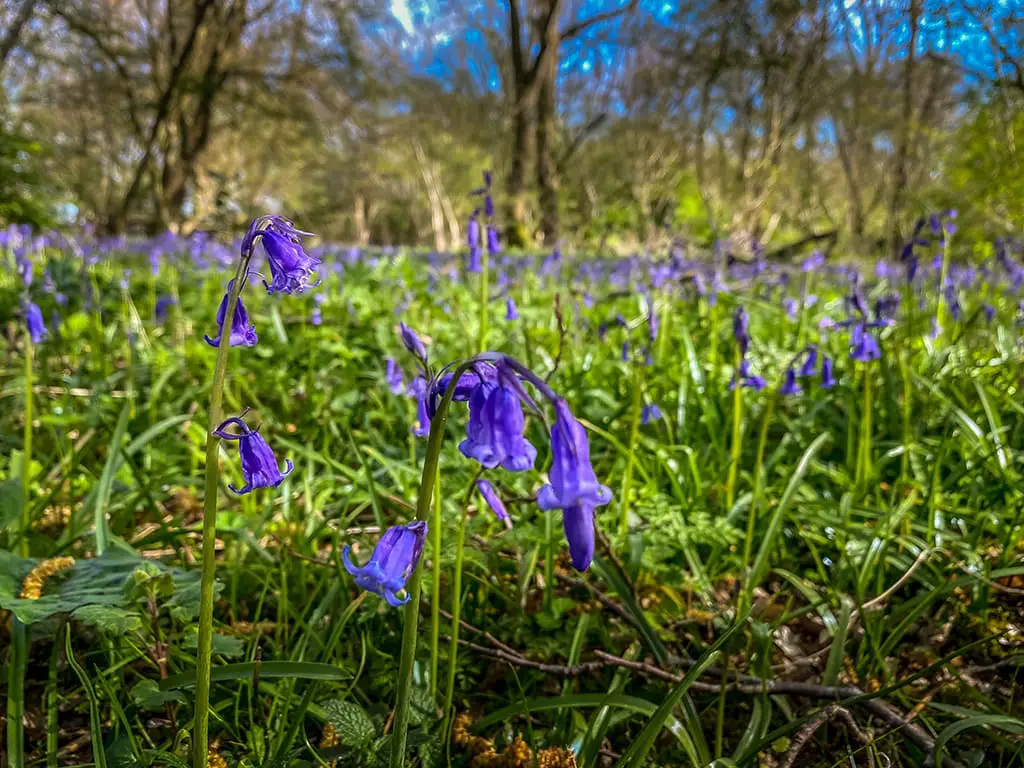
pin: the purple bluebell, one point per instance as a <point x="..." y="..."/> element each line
<point x="259" y="465"/>
<point x="396" y="382"/>
<point x="467" y="383"/>
<point x="511" y="312"/>
<point x="475" y="263"/>
<point x="747" y="379"/>
<point x="865" y="346"/>
<point x="792" y="307"/>
<point x="790" y="386"/>
<point x="154" y="260"/>
<point x="392" y="563"/>
<point x="412" y="342"/>
<point x="810" y="364"/>
<point x="573" y="488"/>
<point x="163" y="304"/>
<point x="243" y="333"/>
<point x="625" y="351"/>
<point x="494" y="502"/>
<point x="989" y="311"/>
<point x="418" y="389"/>
<point x="653" y="322"/>
<point x="34" y="323"/>
<point x="828" y="380"/>
<point x="279" y="225"/>
<point x="290" y="266"/>
<point x="493" y="244"/>
<point x="650" y="413"/>
<point x="125" y="281"/>
<point x="316" y="317"/>
<point x="494" y="433"/>
<point x="741" y="329"/>
<point x="24" y="265"/>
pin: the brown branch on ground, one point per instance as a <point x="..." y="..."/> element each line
<point x="829" y="713"/>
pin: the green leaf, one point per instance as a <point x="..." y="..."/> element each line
<point x="303" y="670"/>
<point x="1002" y="722"/>
<point x="352" y="724"/>
<point x="11" y="503"/>
<point x="109" y="619"/>
<point x="147" y="695"/>
<point x="223" y="645"/>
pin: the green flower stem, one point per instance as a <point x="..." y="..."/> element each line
<point x="746" y="594"/>
<point x="549" y="558"/>
<point x="414" y="585"/>
<point x="634" y="432"/>
<point x="940" y="305"/>
<point x="26" y="454"/>
<point x="205" y="646"/>
<point x="864" y="454"/>
<point x="16" y="695"/>
<point x="907" y="426"/>
<point x="435" y="603"/>
<point x="737" y="425"/>
<point x="453" y="647"/>
<point x="484" y="300"/>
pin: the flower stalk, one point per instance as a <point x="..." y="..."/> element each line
<point x="206" y="589"/>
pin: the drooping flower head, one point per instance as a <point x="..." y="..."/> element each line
<point x="392" y="563"/>
<point x="475" y="263"/>
<point x="494" y="502"/>
<point x="494" y="433"/>
<point x="413" y="343"/>
<point x="573" y="488"/>
<point x="748" y="380"/>
<point x="163" y="304"/>
<point x="865" y="346"/>
<point x="790" y="386"/>
<point x="259" y="465"/>
<point x="511" y="311"/>
<point x="650" y="413"/>
<point x="396" y="382"/>
<point x="741" y="329"/>
<point x="291" y="267"/>
<point x="809" y="367"/>
<point x="34" y="322"/>
<point x="243" y="333"/>
<point x="828" y="380"/>
<point x="418" y="389"/>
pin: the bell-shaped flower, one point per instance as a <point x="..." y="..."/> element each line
<point x="412" y="342"/>
<point x="494" y="433"/>
<point x="511" y="311"/>
<point x="290" y="266"/>
<point x="396" y="382"/>
<point x="865" y="346"/>
<point x="790" y="385"/>
<point x="418" y="388"/>
<point x="650" y="413"/>
<point x="828" y="379"/>
<point x="34" y="323"/>
<point x="494" y="502"/>
<point x="392" y="563"/>
<point x="573" y="488"/>
<point x="259" y="465"/>
<point x="810" y="365"/>
<point x="741" y="329"/>
<point x="243" y="333"/>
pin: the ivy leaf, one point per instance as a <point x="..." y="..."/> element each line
<point x="351" y="723"/>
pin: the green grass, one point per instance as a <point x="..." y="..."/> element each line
<point x="819" y="514"/>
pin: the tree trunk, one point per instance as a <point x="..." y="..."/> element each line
<point x="901" y="160"/>
<point x="547" y="171"/>
<point x="516" y="188"/>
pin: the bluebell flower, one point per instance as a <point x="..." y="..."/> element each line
<point x="473" y="241"/>
<point x="412" y="342"/>
<point x="653" y="322"/>
<point x="467" y="383"/>
<point x="573" y="488"/>
<point x="747" y="379"/>
<point x="316" y="317"/>
<point x="494" y="433"/>
<point x="493" y="245"/>
<point x="162" y="305"/>
<point x="865" y="346"/>
<point x="24" y="265"/>
<point x="650" y="413"/>
<point x="990" y="312"/>
<point x="809" y="367"/>
<point x="290" y="266"/>
<point x="34" y="322"/>
<point x="511" y="312"/>
<point x="813" y="262"/>
<point x="494" y="502"/>
<point x="392" y="563"/>
<point x="625" y="351"/>
<point x="243" y="333"/>
<point x="790" y="386"/>
<point x="741" y="329"/>
<point x="828" y="380"/>
<point x="418" y="389"/>
<point x="279" y="225"/>
<point x="259" y="465"/>
<point x="792" y="307"/>
<point x="396" y="382"/>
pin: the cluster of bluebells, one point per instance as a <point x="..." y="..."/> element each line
<point x="473" y="237"/>
<point x="494" y="387"/>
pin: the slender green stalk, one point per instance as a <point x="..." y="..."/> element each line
<point x="940" y="302"/>
<point x="52" y="711"/>
<point x="453" y="646"/>
<point x="16" y="695"/>
<point x="634" y="432"/>
<point x="737" y="423"/>
<point x="755" y="502"/>
<point x="26" y="454"/>
<point x="907" y="425"/>
<point x="864" y="454"/>
<point x="549" y="558"/>
<point x="435" y="602"/>
<point x="720" y="719"/>
<point x="484" y="300"/>
<point x="414" y="585"/>
<point x="205" y="645"/>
